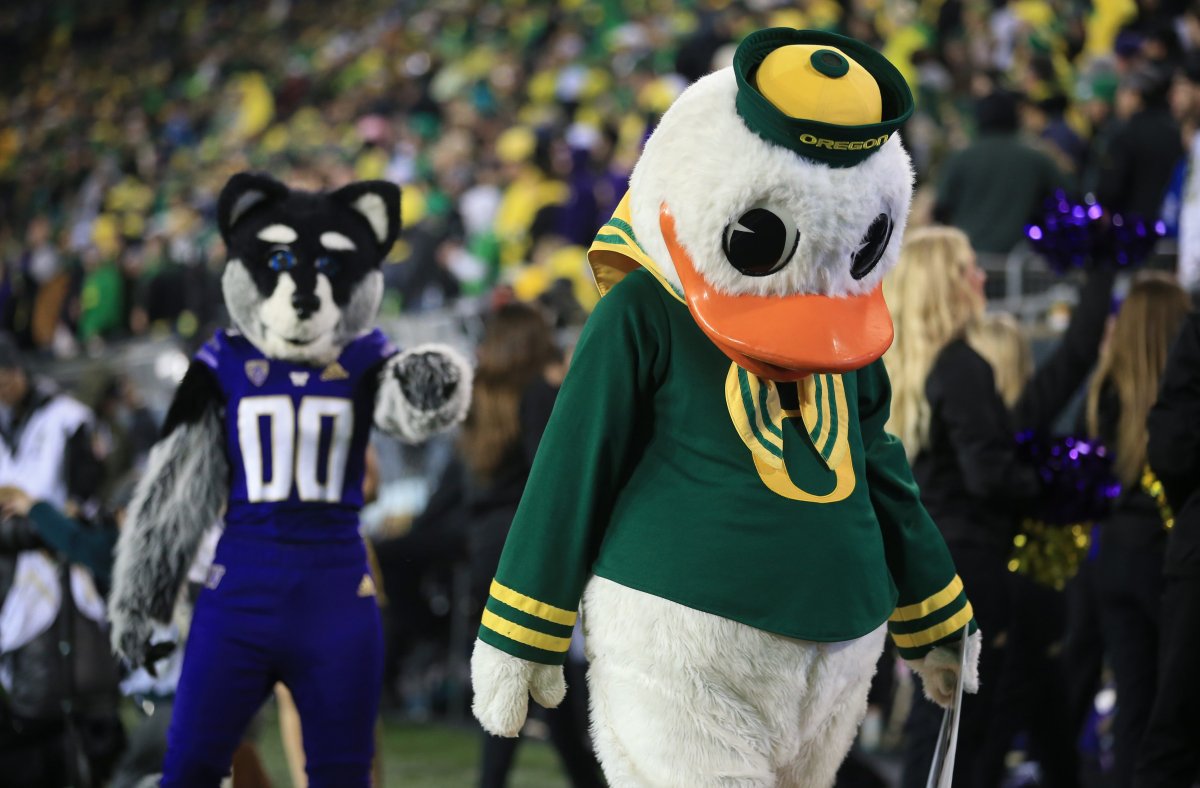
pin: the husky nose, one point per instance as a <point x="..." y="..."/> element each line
<point x="306" y="304"/>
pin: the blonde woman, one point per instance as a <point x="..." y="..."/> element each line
<point x="1133" y="540"/>
<point x="959" y="434"/>
<point x="998" y="337"/>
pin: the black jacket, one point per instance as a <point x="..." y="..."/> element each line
<point x="1174" y="447"/>
<point x="1139" y="162"/>
<point x="492" y="502"/>
<point x="1135" y="522"/>
<point x="43" y="676"/>
<point x="972" y="481"/>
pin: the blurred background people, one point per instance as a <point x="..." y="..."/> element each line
<point x="1132" y="538"/>
<point x="1169" y="755"/>
<point x="1144" y="149"/>
<point x="998" y="184"/>
<point x="58" y="722"/>
<point x="949" y="408"/>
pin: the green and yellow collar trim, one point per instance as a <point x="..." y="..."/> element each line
<point x="753" y="402"/>
<point x="615" y="251"/>
<point x="758" y="416"/>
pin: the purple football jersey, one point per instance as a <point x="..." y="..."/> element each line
<point x="296" y="436"/>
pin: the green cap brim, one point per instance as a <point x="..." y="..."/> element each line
<point x="829" y="143"/>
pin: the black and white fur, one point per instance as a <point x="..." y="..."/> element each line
<point x="328" y="296"/>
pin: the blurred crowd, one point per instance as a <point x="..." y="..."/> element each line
<point x="512" y="128"/>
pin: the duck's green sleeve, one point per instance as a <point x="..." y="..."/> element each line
<point x="580" y="465"/>
<point x="932" y="608"/>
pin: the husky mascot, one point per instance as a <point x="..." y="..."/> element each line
<point x="715" y="482"/>
<point x="270" y="424"/>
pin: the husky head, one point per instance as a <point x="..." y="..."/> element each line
<point x="302" y="279"/>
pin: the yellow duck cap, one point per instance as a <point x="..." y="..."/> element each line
<point x="816" y="82"/>
<point x="828" y="98"/>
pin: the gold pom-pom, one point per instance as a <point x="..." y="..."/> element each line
<point x="1050" y="554"/>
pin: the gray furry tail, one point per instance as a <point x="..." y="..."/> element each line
<point x="179" y="496"/>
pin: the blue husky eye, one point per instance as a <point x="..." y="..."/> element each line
<point x="327" y="265"/>
<point x="281" y="260"/>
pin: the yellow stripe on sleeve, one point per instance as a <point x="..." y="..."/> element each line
<point x="937" y="632"/>
<point x="524" y="634"/>
<point x="527" y="604"/>
<point x="930" y="605"/>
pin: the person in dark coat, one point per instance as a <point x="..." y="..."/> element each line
<point x="516" y="383"/>
<point x="1170" y="753"/>
<point x="998" y="184"/>
<point x="1145" y="148"/>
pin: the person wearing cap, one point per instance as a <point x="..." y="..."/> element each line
<point x="715" y="481"/>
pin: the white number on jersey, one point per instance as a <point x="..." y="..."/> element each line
<point x="294" y="441"/>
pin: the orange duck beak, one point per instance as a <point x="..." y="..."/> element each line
<point x="783" y="338"/>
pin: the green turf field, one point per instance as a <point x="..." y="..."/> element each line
<point x="429" y="756"/>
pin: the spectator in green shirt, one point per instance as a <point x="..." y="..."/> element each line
<point x="996" y="185"/>
<point x="102" y="298"/>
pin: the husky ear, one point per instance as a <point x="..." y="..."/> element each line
<point x="245" y="191"/>
<point x="379" y="203"/>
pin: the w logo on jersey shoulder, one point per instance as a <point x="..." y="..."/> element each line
<point x="257" y="370"/>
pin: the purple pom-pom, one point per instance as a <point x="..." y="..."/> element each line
<point x="1085" y="235"/>
<point x="1077" y="475"/>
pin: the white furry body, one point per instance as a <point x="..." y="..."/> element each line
<point x="684" y="698"/>
<point x="681" y="698"/>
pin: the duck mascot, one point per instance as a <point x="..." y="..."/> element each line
<point x="715" y="484"/>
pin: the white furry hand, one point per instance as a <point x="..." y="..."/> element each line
<point x="422" y="392"/>
<point x="503" y="684"/>
<point x="939" y="671"/>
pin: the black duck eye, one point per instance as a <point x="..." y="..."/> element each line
<point x="874" y="244"/>
<point x="760" y="242"/>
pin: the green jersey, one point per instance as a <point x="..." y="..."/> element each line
<point x="666" y="469"/>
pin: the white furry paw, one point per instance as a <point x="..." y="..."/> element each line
<point x="503" y="683"/>
<point x="422" y="392"/>
<point x="939" y="671"/>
